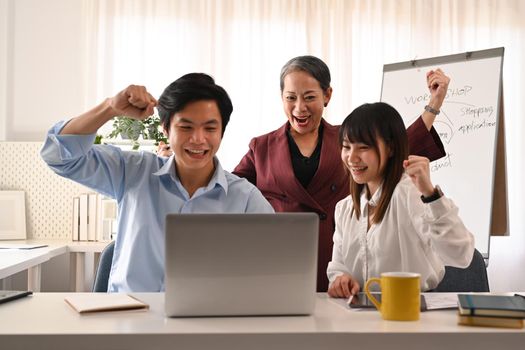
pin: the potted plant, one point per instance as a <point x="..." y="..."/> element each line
<point x="133" y="129"/>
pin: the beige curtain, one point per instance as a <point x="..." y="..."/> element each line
<point x="244" y="43"/>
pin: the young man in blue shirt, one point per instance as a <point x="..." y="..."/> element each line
<point x="194" y="113"/>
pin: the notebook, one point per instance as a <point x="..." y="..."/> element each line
<point x="99" y="302"/>
<point x="492" y="305"/>
<point x="241" y="264"/>
<point x="489" y="321"/>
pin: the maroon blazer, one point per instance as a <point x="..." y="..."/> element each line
<point x="268" y="166"/>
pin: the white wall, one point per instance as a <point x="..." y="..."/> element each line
<point x="43" y="64"/>
<point x="4" y="50"/>
<point x="40" y="62"/>
<point x="41" y="81"/>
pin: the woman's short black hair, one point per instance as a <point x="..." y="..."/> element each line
<point x="311" y="65"/>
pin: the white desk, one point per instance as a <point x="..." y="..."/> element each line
<point x="78" y="252"/>
<point x="45" y="321"/>
<point x="16" y="260"/>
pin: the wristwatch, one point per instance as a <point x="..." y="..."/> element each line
<point x="432" y="110"/>
<point x="434" y="196"/>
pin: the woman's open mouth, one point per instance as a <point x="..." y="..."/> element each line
<point x="301" y="121"/>
<point x="358" y="170"/>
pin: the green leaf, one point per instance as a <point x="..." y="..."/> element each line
<point x="149" y="129"/>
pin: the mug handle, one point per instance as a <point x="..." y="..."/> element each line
<point x="369" y="295"/>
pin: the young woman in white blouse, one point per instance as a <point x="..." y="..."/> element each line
<point x="394" y="219"/>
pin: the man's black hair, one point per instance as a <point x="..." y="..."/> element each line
<point x="190" y="88"/>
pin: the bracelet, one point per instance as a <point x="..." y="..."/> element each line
<point x="434" y="196"/>
<point x="432" y="110"/>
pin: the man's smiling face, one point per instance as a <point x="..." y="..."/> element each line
<point x="195" y="136"/>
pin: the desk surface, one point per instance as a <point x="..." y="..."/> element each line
<point x="15" y="260"/>
<point x="47" y="322"/>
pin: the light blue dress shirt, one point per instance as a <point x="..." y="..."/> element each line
<point x="146" y="188"/>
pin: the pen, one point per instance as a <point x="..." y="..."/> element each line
<point x="349" y="301"/>
<point x="519" y="295"/>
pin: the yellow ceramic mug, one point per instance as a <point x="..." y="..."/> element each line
<point x="400" y="298"/>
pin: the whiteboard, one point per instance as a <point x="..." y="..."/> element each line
<point x="467" y="125"/>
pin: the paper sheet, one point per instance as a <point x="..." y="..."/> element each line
<point x="439" y="301"/>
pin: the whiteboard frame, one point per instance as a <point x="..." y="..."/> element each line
<point x="470" y="56"/>
<point x="16" y="200"/>
<point x="465" y="56"/>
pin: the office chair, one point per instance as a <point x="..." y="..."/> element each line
<point x="103" y="269"/>
<point x="471" y="279"/>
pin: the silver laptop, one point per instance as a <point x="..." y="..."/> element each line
<point x="241" y="264"/>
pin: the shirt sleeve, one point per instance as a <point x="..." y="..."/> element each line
<point x="246" y="167"/>
<point x="336" y="267"/>
<point x="99" y="167"/>
<point x="423" y="142"/>
<point x="257" y="203"/>
<point x="440" y="223"/>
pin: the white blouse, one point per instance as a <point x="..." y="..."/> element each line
<point x="412" y="237"/>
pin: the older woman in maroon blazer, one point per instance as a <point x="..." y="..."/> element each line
<point x="298" y="166"/>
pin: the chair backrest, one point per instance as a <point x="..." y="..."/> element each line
<point x="103" y="269"/>
<point x="472" y="279"/>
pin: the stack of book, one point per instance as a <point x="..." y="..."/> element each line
<point x="491" y="310"/>
<point x="93" y="217"/>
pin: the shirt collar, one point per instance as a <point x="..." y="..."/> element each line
<point x="167" y="168"/>
<point x="373" y="201"/>
<point x="218" y="178"/>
